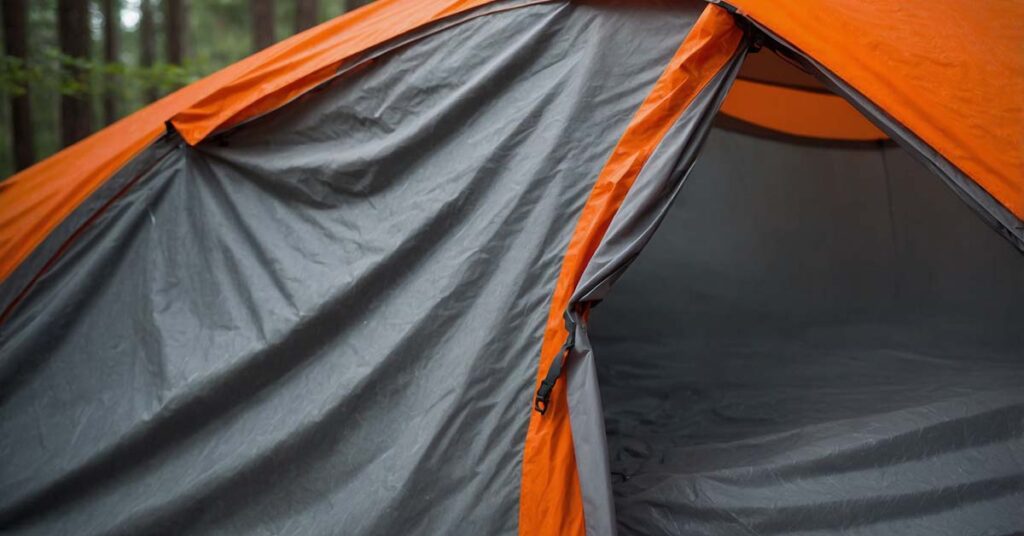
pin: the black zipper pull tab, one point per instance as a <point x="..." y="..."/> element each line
<point x="543" y="397"/>
<point x="540" y="402"/>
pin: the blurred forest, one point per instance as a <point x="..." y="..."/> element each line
<point x="71" y="67"/>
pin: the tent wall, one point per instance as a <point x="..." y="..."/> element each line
<point x="816" y="339"/>
<point x="328" y="319"/>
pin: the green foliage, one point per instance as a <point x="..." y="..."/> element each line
<point x="64" y="75"/>
<point x="53" y="74"/>
<point x="14" y="76"/>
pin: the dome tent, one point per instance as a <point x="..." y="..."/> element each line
<point x="328" y="288"/>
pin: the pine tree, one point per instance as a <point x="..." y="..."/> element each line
<point x="262" y="13"/>
<point x="147" y="43"/>
<point x="74" y="37"/>
<point x="16" y="45"/>
<point x="111" y="45"/>
<point x="305" y="14"/>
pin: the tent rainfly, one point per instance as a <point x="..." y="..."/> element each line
<point x="350" y="284"/>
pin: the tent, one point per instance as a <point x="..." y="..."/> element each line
<point x="373" y="280"/>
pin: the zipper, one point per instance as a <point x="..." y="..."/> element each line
<point x="543" y="397"/>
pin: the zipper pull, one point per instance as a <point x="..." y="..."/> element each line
<point x="543" y="397"/>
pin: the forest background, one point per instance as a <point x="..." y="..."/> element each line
<point x="71" y="67"/>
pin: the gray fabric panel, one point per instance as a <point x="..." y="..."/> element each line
<point x="632" y="227"/>
<point x="588" y="437"/>
<point x="816" y="341"/>
<point x="17" y="281"/>
<point x="328" y="321"/>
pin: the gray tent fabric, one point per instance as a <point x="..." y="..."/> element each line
<point x="20" y="281"/>
<point x="328" y="320"/>
<point x="817" y="340"/>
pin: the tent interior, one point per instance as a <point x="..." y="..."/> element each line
<point x="819" y="337"/>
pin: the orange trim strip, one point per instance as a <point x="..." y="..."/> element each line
<point x="800" y="113"/>
<point x="37" y="200"/>
<point x="550" y="501"/>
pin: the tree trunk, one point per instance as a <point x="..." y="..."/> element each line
<point x="262" y="12"/>
<point x="351" y="5"/>
<point x="74" y="38"/>
<point x="147" y="43"/>
<point x="175" y="31"/>
<point x="306" y="14"/>
<point x="16" y="45"/>
<point x="111" y="26"/>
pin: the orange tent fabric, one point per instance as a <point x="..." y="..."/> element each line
<point x="550" y="500"/>
<point x="950" y="71"/>
<point x="35" y="201"/>
<point x="774" y="94"/>
<point x="800" y="113"/>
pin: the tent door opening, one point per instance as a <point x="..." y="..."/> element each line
<point x="817" y="339"/>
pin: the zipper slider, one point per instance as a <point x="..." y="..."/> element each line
<point x="540" y="402"/>
<point x="543" y="397"/>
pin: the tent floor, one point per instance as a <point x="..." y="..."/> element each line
<point x="866" y="428"/>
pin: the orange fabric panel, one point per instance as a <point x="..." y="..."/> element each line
<point x="951" y="71"/>
<point x="797" y="112"/>
<point x="35" y="201"/>
<point x="550" y="500"/>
